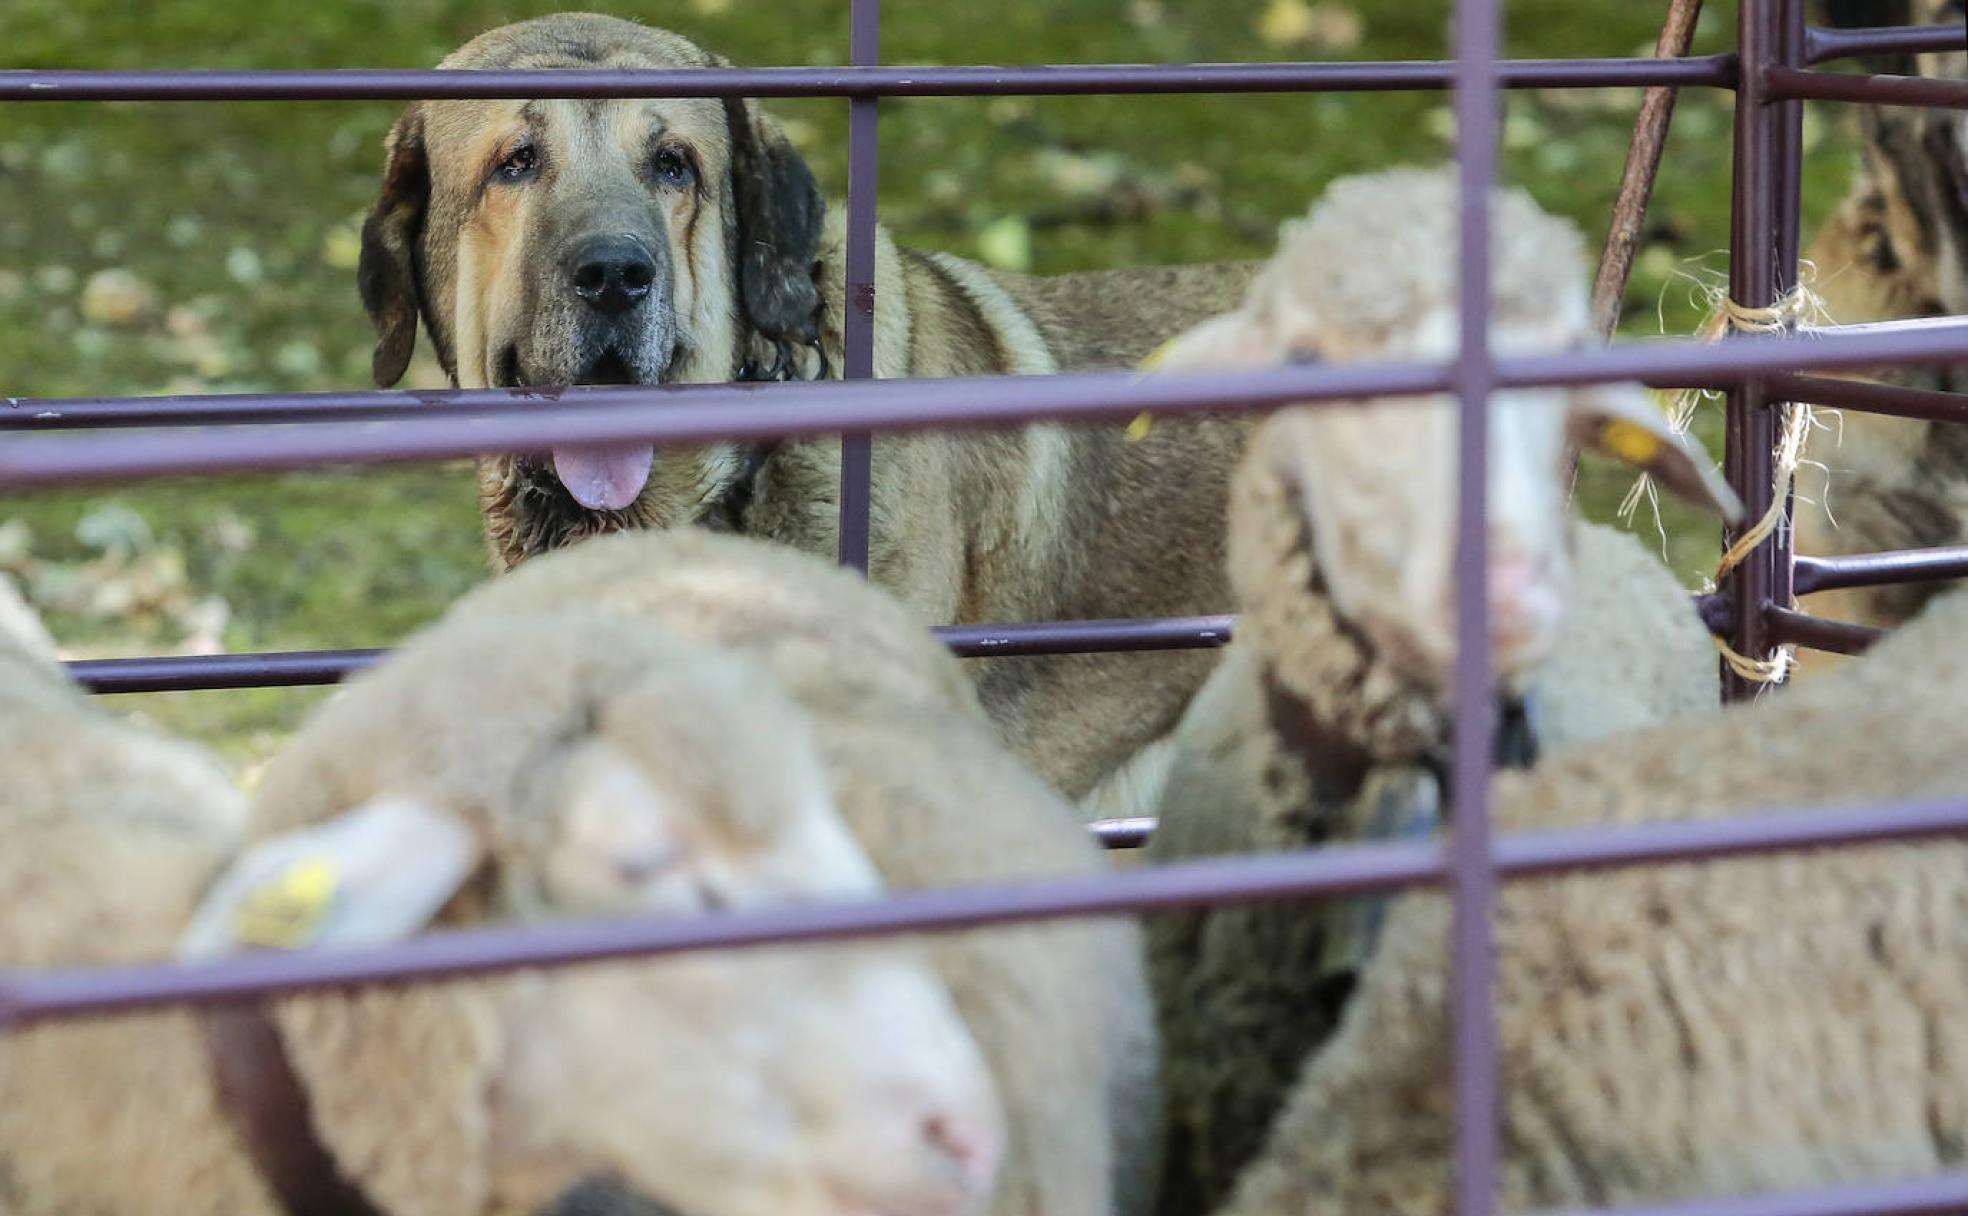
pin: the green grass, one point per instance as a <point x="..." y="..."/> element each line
<point x="242" y="218"/>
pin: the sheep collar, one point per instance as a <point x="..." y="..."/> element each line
<point x="265" y="1102"/>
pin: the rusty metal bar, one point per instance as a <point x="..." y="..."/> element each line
<point x="188" y="673"/>
<point x="1814" y="574"/>
<point x="1748" y="459"/>
<point x="1930" y="91"/>
<point x="736" y="412"/>
<point x="363" y="84"/>
<point x="1824" y="45"/>
<point x="1803" y="629"/>
<point x="33" y="995"/>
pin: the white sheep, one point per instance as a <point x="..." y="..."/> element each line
<point x="1702" y="1028"/>
<point x="1060" y="1009"/>
<point x="522" y="770"/>
<point x="1328" y="712"/>
<point x="110" y="834"/>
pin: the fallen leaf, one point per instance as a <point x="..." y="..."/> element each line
<point x="114" y="528"/>
<point x="341" y="249"/>
<point x="1291" y="22"/>
<point x="118" y="299"/>
<point x="1006" y="243"/>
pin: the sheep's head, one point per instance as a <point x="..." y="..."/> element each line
<point x="1371" y="274"/>
<point x="831" y="1080"/>
<point x="21" y="627"/>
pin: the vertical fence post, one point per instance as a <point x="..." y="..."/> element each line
<point x="1762" y="269"/>
<point x="1472" y="868"/>
<point x="858" y="336"/>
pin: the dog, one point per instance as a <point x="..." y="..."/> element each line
<point x="1896" y="249"/>
<point x="554" y="242"/>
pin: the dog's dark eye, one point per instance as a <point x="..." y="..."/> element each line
<point x="518" y="165"/>
<point x="673" y="168"/>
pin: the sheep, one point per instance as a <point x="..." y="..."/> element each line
<point x="1060" y="1010"/>
<point x="1327" y="711"/>
<point x="625" y="773"/>
<point x="110" y="832"/>
<point x="1696" y="1029"/>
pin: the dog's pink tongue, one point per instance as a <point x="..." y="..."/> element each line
<point x="604" y="478"/>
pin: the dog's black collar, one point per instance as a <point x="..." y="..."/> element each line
<point x="726" y="513"/>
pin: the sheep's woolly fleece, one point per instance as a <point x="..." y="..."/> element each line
<point x="1409" y="216"/>
<point x="111" y="832"/>
<point x="1060" y="1008"/>
<point x="1699" y="1028"/>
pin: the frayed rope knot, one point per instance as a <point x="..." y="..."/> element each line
<point x="1727" y="316"/>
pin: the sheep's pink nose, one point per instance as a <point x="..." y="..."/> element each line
<point x="973" y="1150"/>
<point x="1521" y="601"/>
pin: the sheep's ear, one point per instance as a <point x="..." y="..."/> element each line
<point x="373" y="875"/>
<point x="1229" y="340"/>
<point x="1620" y="421"/>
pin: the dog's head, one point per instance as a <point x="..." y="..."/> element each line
<point x="1912" y="193"/>
<point x="551" y="242"/>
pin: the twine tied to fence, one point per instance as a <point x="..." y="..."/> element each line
<point x="1727" y="316"/>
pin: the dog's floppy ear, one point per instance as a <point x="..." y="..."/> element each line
<point x="387" y="273"/>
<point x="779" y="213"/>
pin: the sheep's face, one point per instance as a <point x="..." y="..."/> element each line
<point x="1370" y="275"/>
<point x="822" y="1081"/>
<point x="837" y="1081"/>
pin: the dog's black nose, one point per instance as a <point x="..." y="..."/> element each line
<point x="613" y="274"/>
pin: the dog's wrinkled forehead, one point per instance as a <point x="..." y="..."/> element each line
<point x="464" y="136"/>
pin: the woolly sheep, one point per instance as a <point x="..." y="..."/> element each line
<point x="1780" y="1022"/>
<point x="1060" y="1009"/>
<point x="1328" y="709"/>
<point x="573" y="766"/>
<point x="110" y="834"/>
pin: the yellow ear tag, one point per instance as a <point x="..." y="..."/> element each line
<point x="1155" y="357"/>
<point x="1138" y="429"/>
<point x="1630" y="442"/>
<point x="286" y="913"/>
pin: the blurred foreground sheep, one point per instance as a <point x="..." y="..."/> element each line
<point x="110" y="833"/>
<point x="1781" y="1022"/>
<point x="507" y="694"/>
<point x="828" y="1081"/>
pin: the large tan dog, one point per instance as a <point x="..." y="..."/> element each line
<point x="1897" y="249"/>
<point x="557" y="242"/>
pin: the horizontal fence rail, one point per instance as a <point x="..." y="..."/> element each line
<point x="707" y="413"/>
<point x="187" y="673"/>
<point x="1325" y="872"/>
<point x="1825" y="45"/>
<point x="354" y="84"/>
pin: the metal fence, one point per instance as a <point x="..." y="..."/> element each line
<point x="1771" y="75"/>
